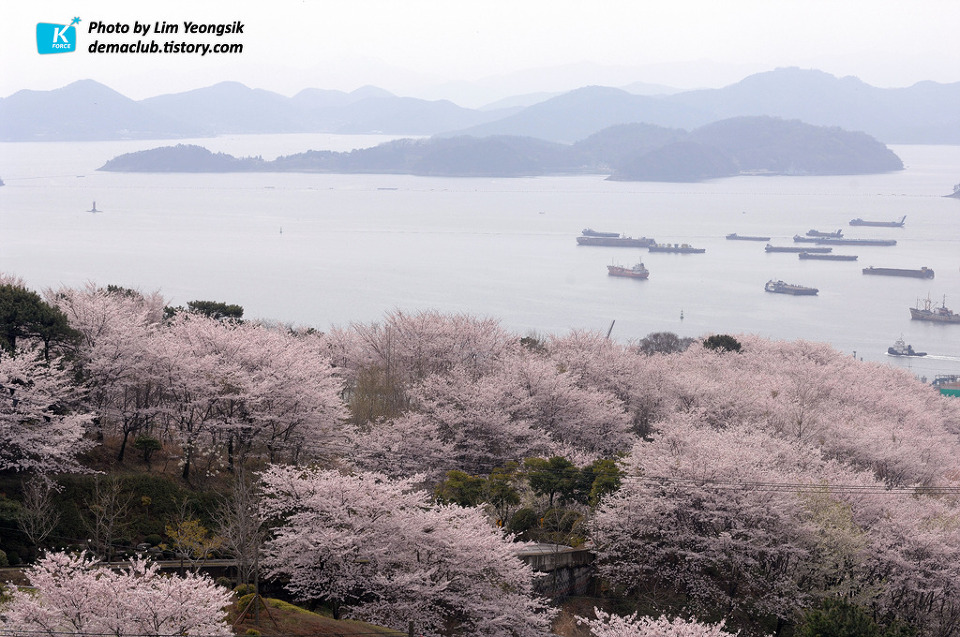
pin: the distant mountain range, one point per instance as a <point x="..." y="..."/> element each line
<point x="642" y="152"/>
<point x="925" y="113"/>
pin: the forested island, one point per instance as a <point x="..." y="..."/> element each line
<point x="629" y="152"/>
<point x="393" y="471"/>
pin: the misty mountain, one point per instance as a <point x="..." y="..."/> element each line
<point x="925" y="113"/>
<point x="229" y="107"/>
<point x="83" y="111"/>
<point x="639" y="152"/>
<point x="88" y="110"/>
<point x="578" y="114"/>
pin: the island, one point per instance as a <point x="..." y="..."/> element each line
<point x="627" y="152"/>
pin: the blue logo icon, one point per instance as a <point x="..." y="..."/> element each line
<point x="57" y="38"/>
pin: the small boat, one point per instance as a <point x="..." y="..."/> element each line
<point x="878" y="224"/>
<point x="94" y="209"/>
<point x="733" y="236"/>
<point x="902" y="349"/>
<point x="779" y="287"/>
<point x="929" y="312"/>
<point x="622" y="242"/>
<point x="638" y="271"/>
<point x="795" y="249"/>
<point x="828" y="235"/>
<point x="590" y="232"/>
<point x="922" y="273"/>
<point x="679" y="248"/>
<point x="827" y="256"/>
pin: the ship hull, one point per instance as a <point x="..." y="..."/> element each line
<point x="795" y="250"/>
<point x="590" y="232"/>
<point x="827" y="257"/>
<point x="615" y="270"/>
<point x="933" y="316"/>
<point x="616" y="242"/>
<point x="779" y="287"/>
<point x="922" y="273"/>
<point x="740" y="237"/>
<point x="681" y="249"/>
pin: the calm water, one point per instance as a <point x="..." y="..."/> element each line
<point x="326" y="250"/>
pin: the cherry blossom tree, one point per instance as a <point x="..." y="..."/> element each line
<point x="380" y="550"/>
<point x="73" y="596"/>
<point x="41" y="427"/>
<point x="607" y="625"/>
<point x="117" y="355"/>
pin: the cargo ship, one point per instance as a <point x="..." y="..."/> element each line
<point x="795" y="249"/>
<point x="679" y="248"/>
<point x="878" y="224"/>
<point x="827" y="257"/>
<point x="779" y="287"/>
<point x="590" y="232"/>
<point x="900" y="348"/>
<point x="827" y="235"/>
<point x="638" y="271"/>
<point x="931" y="313"/>
<point x="922" y="273"/>
<point x="844" y="242"/>
<point x="622" y="242"/>
<point x="733" y="236"/>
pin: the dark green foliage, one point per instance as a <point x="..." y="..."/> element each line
<point x="533" y="344"/>
<point x="722" y="343"/>
<point x="461" y="488"/>
<point x="558" y="478"/>
<point x="153" y="539"/>
<point x="599" y="479"/>
<point x="216" y="309"/>
<point x="522" y="522"/>
<point x="122" y="291"/>
<point x="501" y="490"/>
<point x="838" y="618"/>
<point x="554" y="477"/>
<point x="24" y="315"/>
<point x="147" y="445"/>
<point x="663" y="343"/>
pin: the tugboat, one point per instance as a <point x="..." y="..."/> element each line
<point x="928" y="312"/>
<point x="900" y="348"/>
<point x="779" y="287"/>
<point x="638" y="271"/>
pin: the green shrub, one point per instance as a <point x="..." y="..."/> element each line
<point x="523" y="520"/>
<point x="3" y="560"/>
<point x="153" y="539"/>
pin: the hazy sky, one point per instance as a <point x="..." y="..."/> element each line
<point x="407" y="46"/>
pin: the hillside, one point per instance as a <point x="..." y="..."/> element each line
<point x="637" y="152"/>
<point x="925" y="113"/>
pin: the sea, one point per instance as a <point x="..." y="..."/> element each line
<point x="324" y="250"/>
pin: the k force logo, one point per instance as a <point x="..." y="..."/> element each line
<point x="57" y="38"/>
